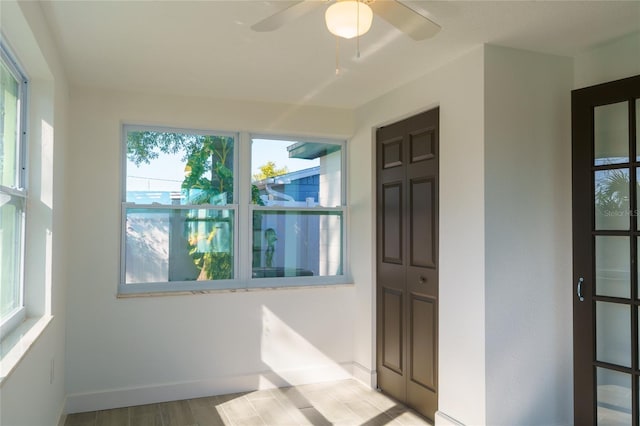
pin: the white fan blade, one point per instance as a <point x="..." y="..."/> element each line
<point x="293" y="11"/>
<point x="407" y="20"/>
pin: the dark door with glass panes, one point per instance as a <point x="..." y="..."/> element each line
<point x="407" y="261"/>
<point x="606" y="253"/>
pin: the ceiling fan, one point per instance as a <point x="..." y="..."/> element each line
<point x="352" y="18"/>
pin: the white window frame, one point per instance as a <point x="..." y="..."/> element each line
<point x="18" y="315"/>
<point x="243" y="216"/>
<point x="276" y="282"/>
<point x="176" y="286"/>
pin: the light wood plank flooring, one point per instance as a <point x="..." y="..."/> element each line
<point x="345" y="403"/>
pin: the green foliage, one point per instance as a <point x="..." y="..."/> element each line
<point x="142" y="147"/>
<point x="611" y="192"/>
<point x="208" y="175"/>
<point x="209" y="159"/>
<point x="255" y="196"/>
<point x="213" y="266"/>
<point x="213" y="157"/>
<point x="269" y="170"/>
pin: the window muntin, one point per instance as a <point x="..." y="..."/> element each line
<point x="13" y="193"/>
<point x="183" y="228"/>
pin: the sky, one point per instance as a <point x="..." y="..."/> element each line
<point x="167" y="171"/>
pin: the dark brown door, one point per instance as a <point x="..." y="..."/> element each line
<point x="606" y="172"/>
<point x="407" y="261"/>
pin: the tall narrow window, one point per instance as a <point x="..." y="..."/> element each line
<point x="179" y="211"/>
<point x="12" y="191"/>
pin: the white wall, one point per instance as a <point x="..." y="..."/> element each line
<point x="607" y="62"/>
<point x="138" y="350"/>
<point x="30" y="395"/>
<point x="457" y="88"/>
<point x="504" y="164"/>
<point x="528" y="291"/>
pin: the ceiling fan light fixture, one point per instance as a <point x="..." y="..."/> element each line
<point x="348" y="18"/>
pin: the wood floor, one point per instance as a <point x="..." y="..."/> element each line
<point x="337" y="403"/>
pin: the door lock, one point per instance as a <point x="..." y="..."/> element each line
<point x="422" y="280"/>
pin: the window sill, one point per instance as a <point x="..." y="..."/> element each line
<point x="231" y="290"/>
<point x="17" y="344"/>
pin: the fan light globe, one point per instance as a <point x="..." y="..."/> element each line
<point x="348" y="19"/>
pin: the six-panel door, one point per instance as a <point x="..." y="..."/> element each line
<point x="407" y="261"/>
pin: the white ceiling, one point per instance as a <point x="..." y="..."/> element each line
<point x="206" y="48"/>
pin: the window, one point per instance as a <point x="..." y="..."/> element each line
<point x="179" y="211"/>
<point x="186" y="229"/>
<point x="12" y="191"/>
<point x="297" y="208"/>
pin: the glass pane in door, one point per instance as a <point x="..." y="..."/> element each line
<point x="614" y="397"/>
<point x="637" y="129"/>
<point x="612" y="199"/>
<point x="613" y="333"/>
<point x="611" y="134"/>
<point x="613" y="270"/>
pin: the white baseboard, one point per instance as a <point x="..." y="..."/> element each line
<point x="125" y="397"/>
<point x="62" y="420"/>
<point x="364" y="375"/>
<point x="442" y="419"/>
<point x="62" y="417"/>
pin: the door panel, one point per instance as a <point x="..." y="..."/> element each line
<point x="407" y="275"/>
<point x="392" y="330"/>
<point x="422" y="145"/>
<point x="422" y="339"/>
<point x="605" y="253"/>
<point x="392" y="153"/>
<point x="392" y="222"/>
<point x="422" y="222"/>
<point x="422" y="381"/>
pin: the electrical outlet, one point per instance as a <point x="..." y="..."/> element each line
<point x="51" y="371"/>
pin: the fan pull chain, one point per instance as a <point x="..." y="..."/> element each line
<point x="358" y="30"/>
<point x="337" y="55"/>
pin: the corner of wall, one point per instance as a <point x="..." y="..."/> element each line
<point x="39" y="377"/>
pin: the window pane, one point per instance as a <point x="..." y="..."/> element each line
<point x="296" y="174"/>
<point x="614" y="397"/>
<point x="611" y="133"/>
<point x="10" y="253"/>
<point x="613" y="266"/>
<point x="9" y="127"/>
<point x="612" y="199"/>
<point x="179" y="168"/>
<point x="165" y="245"/>
<point x="637" y="129"/>
<point x="613" y="333"/>
<point x="296" y="243"/>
